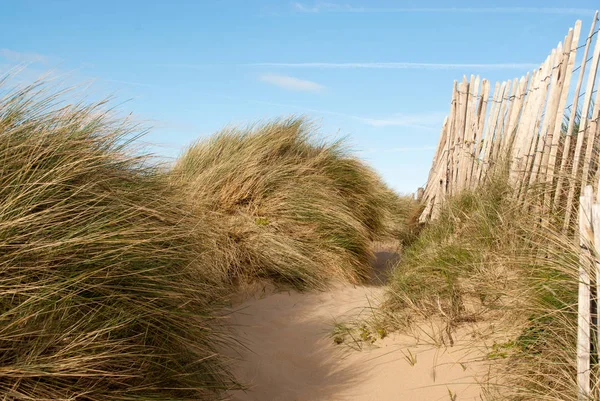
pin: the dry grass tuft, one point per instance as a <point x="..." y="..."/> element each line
<point x="489" y="259"/>
<point x="102" y="295"/>
<point x="112" y="266"/>
<point x="293" y="208"/>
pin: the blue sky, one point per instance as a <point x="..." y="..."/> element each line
<point x="378" y="72"/>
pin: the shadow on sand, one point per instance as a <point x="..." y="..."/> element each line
<point x="288" y="352"/>
<point x="382" y="265"/>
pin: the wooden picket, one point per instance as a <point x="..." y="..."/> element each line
<point x="586" y="239"/>
<point x="581" y="134"/>
<point x="558" y="193"/>
<point x="521" y="126"/>
<point x="571" y="42"/>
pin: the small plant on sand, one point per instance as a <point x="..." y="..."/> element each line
<point x="360" y="330"/>
<point x="410" y="357"/>
<point x="340" y="333"/>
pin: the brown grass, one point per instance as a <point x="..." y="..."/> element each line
<point x="489" y="259"/>
<point x="102" y="290"/>
<point x="293" y="208"/>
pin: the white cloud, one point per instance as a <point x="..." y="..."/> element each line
<point x="397" y="150"/>
<point x="173" y="125"/>
<point x="291" y="83"/>
<point x="369" y="65"/>
<point x="401" y="65"/>
<point x="23" y="57"/>
<point x="305" y="9"/>
<point x="346" y="8"/>
<point x="128" y="83"/>
<point x="425" y="120"/>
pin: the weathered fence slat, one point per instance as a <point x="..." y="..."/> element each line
<point x="521" y="124"/>
<point x="537" y="140"/>
<point x="452" y="141"/>
<point x="584" y="294"/>
<point x="519" y="152"/>
<point x="515" y="115"/>
<point x="572" y="117"/>
<point x="541" y="158"/>
<point x="582" y="131"/>
<point x="506" y="137"/>
<point x="474" y="108"/>
<point x="527" y="131"/>
<point x="571" y="43"/>
<point x="523" y="127"/>
<point x="481" y="110"/>
<point x="487" y="140"/>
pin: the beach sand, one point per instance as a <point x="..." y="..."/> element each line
<point x="290" y="355"/>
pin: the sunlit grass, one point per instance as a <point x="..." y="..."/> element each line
<point x="497" y="262"/>
<point x="294" y="208"/>
<point x="102" y="295"/>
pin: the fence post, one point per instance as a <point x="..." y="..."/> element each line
<point x="596" y="229"/>
<point x="584" y="293"/>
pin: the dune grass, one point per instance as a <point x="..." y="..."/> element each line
<point x="450" y="248"/>
<point x="489" y="261"/>
<point x="102" y="291"/>
<point x="113" y="266"/>
<point x="294" y="208"/>
<point x="498" y="262"/>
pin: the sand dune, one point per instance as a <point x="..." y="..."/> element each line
<point x="291" y="358"/>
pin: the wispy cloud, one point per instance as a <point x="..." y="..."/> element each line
<point x="307" y="9"/>
<point x="397" y="150"/>
<point x="421" y="120"/>
<point x="23" y="57"/>
<point x="398" y="65"/>
<point x="174" y="125"/>
<point x="425" y="121"/>
<point x="366" y="65"/>
<point x="347" y="8"/>
<point x="291" y="83"/>
<point x="128" y="83"/>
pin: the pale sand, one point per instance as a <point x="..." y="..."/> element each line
<point x="291" y="358"/>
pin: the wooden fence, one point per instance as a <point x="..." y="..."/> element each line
<point x="543" y="127"/>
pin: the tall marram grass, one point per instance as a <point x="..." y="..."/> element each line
<point x="459" y="244"/>
<point x="294" y="208"/>
<point x="490" y="259"/>
<point x="510" y="264"/>
<point x="102" y="291"/>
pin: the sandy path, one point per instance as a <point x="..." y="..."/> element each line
<point x="291" y="358"/>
